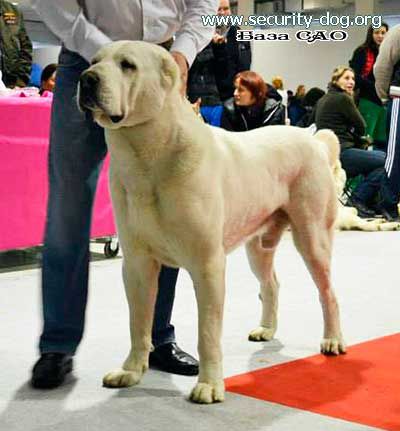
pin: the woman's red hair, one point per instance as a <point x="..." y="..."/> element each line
<point x="254" y="83"/>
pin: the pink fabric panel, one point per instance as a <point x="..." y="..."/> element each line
<point x="24" y="131"/>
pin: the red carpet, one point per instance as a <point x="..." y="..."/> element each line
<point x="362" y="386"/>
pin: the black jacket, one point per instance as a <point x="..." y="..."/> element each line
<point x="239" y="58"/>
<point x="365" y="85"/>
<point x="211" y="75"/>
<point x="272" y="93"/>
<point x="338" y="112"/>
<point x="239" y="119"/>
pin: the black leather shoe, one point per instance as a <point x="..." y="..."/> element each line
<point x="50" y="370"/>
<point x="362" y="210"/>
<point x="170" y="358"/>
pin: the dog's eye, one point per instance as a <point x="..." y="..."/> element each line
<point x="126" y="65"/>
<point x="94" y="62"/>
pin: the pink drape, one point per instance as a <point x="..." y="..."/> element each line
<point x="24" y="143"/>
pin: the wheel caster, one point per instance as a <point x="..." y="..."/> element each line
<point x="111" y="249"/>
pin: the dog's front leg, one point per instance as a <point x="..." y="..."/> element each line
<point x="140" y="275"/>
<point x="209" y="282"/>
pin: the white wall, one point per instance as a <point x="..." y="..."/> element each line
<point x="44" y="54"/>
<point x="300" y="63"/>
<point x="389" y="7"/>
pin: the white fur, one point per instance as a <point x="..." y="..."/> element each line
<point x="185" y="194"/>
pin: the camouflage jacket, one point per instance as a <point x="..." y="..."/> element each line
<point x="15" y="46"/>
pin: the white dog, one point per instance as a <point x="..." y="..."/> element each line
<point x="185" y="194"/>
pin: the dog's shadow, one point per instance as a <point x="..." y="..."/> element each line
<point x="67" y="407"/>
<point x="130" y="408"/>
<point x="159" y="403"/>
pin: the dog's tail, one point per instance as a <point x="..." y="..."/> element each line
<point x="331" y="144"/>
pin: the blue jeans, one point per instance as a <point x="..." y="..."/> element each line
<point x="370" y="164"/>
<point x="77" y="151"/>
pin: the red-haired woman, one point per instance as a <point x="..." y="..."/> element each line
<point x="253" y="104"/>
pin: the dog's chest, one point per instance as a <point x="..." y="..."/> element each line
<point x="150" y="225"/>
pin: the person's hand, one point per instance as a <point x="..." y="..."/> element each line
<point x="183" y="67"/>
<point x="218" y="39"/>
<point x="196" y="106"/>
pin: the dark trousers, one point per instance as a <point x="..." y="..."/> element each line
<point x="392" y="164"/>
<point x="370" y="164"/>
<point x="77" y="150"/>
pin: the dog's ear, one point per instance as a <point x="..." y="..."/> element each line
<point x="170" y="75"/>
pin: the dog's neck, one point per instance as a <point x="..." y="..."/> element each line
<point x="153" y="146"/>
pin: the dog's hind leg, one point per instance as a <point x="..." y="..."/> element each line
<point x="260" y="252"/>
<point x="209" y="282"/>
<point x="314" y="242"/>
<point x="140" y="275"/>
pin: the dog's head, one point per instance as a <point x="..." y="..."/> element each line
<point x="127" y="83"/>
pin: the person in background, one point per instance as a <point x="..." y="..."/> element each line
<point x="295" y="105"/>
<point x="15" y="47"/>
<point x="337" y="111"/>
<point x="309" y="101"/>
<point x="211" y="76"/>
<point x="369" y="104"/>
<point x="250" y="106"/>
<point x="290" y="96"/>
<point x="277" y="83"/>
<point x="77" y="151"/>
<point x="387" y="76"/>
<point x="48" y="78"/>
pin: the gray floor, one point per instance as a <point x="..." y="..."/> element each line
<point x="367" y="280"/>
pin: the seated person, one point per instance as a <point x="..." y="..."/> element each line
<point x="295" y="105"/>
<point x="338" y="112"/>
<point x="250" y="106"/>
<point x="48" y="78"/>
<point x="309" y="101"/>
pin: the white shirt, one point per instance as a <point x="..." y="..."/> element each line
<point x="2" y="85"/>
<point x="108" y="20"/>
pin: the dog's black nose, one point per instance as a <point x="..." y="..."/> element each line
<point x="89" y="81"/>
<point x="116" y="118"/>
<point x="88" y="89"/>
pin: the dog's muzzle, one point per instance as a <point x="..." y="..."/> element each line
<point x="88" y="89"/>
<point x="89" y="84"/>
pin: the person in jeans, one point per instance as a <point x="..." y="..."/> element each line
<point x="77" y="150"/>
<point x="387" y="74"/>
<point x="338" y="112"/>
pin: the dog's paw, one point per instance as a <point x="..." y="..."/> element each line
<point x="262" y="334"/>
<point x="208" y="393"/>
<point x="121" y="378"/>
<point x="333" y="346"/>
